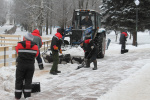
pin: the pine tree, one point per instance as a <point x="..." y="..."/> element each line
<point x="121" y="14"/>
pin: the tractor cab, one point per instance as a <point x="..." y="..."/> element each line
<point x="84" y="21"/>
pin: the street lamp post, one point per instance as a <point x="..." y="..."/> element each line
<point x="136" y="3"/>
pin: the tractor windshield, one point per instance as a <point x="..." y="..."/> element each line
<point x="83" y="22"/>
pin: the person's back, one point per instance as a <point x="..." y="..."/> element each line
<point x="87" y="45"/>
<point x="123" y="37"/>
<point x="56" y="40"/>
<point x="38" y="40"/>
<point x="26" y="52"/>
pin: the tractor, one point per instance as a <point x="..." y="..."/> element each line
<point x="93" y="30"/>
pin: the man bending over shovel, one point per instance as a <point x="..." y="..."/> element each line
<point x="91" y="52"/>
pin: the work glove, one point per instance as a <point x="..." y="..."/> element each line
<point x="60" y="51"/>
<point x="55" y="47"/>
<point x="92" y="47"/>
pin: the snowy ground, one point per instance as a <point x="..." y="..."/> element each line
<point x="119" y="76"/>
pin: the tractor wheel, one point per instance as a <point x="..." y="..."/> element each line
<point x="100" y="43"/>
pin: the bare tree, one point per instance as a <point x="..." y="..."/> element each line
<point x="40" y="13"/>
<point x="41" y="18"/>
<point x="4" y="11"/>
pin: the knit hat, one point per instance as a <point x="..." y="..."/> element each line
<point x="29" y="36"/>
<point x="60" y="30"/>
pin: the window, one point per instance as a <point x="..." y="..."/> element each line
<point x="85" y="21"/>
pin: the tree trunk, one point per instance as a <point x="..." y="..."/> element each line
<point x="47" y="19"/>
<point x="134" y="38"/>
<point x="63" y="15"/>
<point x="40" y="29"/>
<point x="130" y="35"/>
<point x="41" y="18"/>
<point x="47" y="24"/>
<point x="81" y="4"/>
<point x="116" y="35"/>
<point x="87" y="4"/>
<point x="51" y="18"/>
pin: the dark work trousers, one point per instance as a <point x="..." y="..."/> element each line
<point x="24" y="75"/>
<point x="92" y="55"/>
<point x="55" y="57"/>
<point x="39" y="59"/>
<point x="123" y="46"/>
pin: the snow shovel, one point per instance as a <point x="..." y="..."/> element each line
<point x="82" y="65"/>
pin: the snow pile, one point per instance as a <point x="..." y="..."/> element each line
<point x="74" y="51"/>
<point x="7" y="80"/>
<point x="5" y="28"/>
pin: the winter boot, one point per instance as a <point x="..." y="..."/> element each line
<point x="87" y="62"/>
<point x="57" y="71"/>
<point x="124" y="51"/>
<point x="41" y="66"/>
<point x="53" y="73"/>
<point x="95" y="65"/>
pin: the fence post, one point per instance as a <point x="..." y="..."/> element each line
<point x="2" y="41"/>
<point x="15" y="53"/>
<point x="44" y="46"/>
<point x="4" y="56"/>
<point x="47" y="44"/>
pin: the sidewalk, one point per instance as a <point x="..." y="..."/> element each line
<point x="136" y="87"/>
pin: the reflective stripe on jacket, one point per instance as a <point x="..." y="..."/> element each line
<point x="27" y="51"/>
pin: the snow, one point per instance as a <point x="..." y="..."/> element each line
<point x="3" y="28"/>
<point x="136" y="87"/>
<point x="119" y="76"/>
